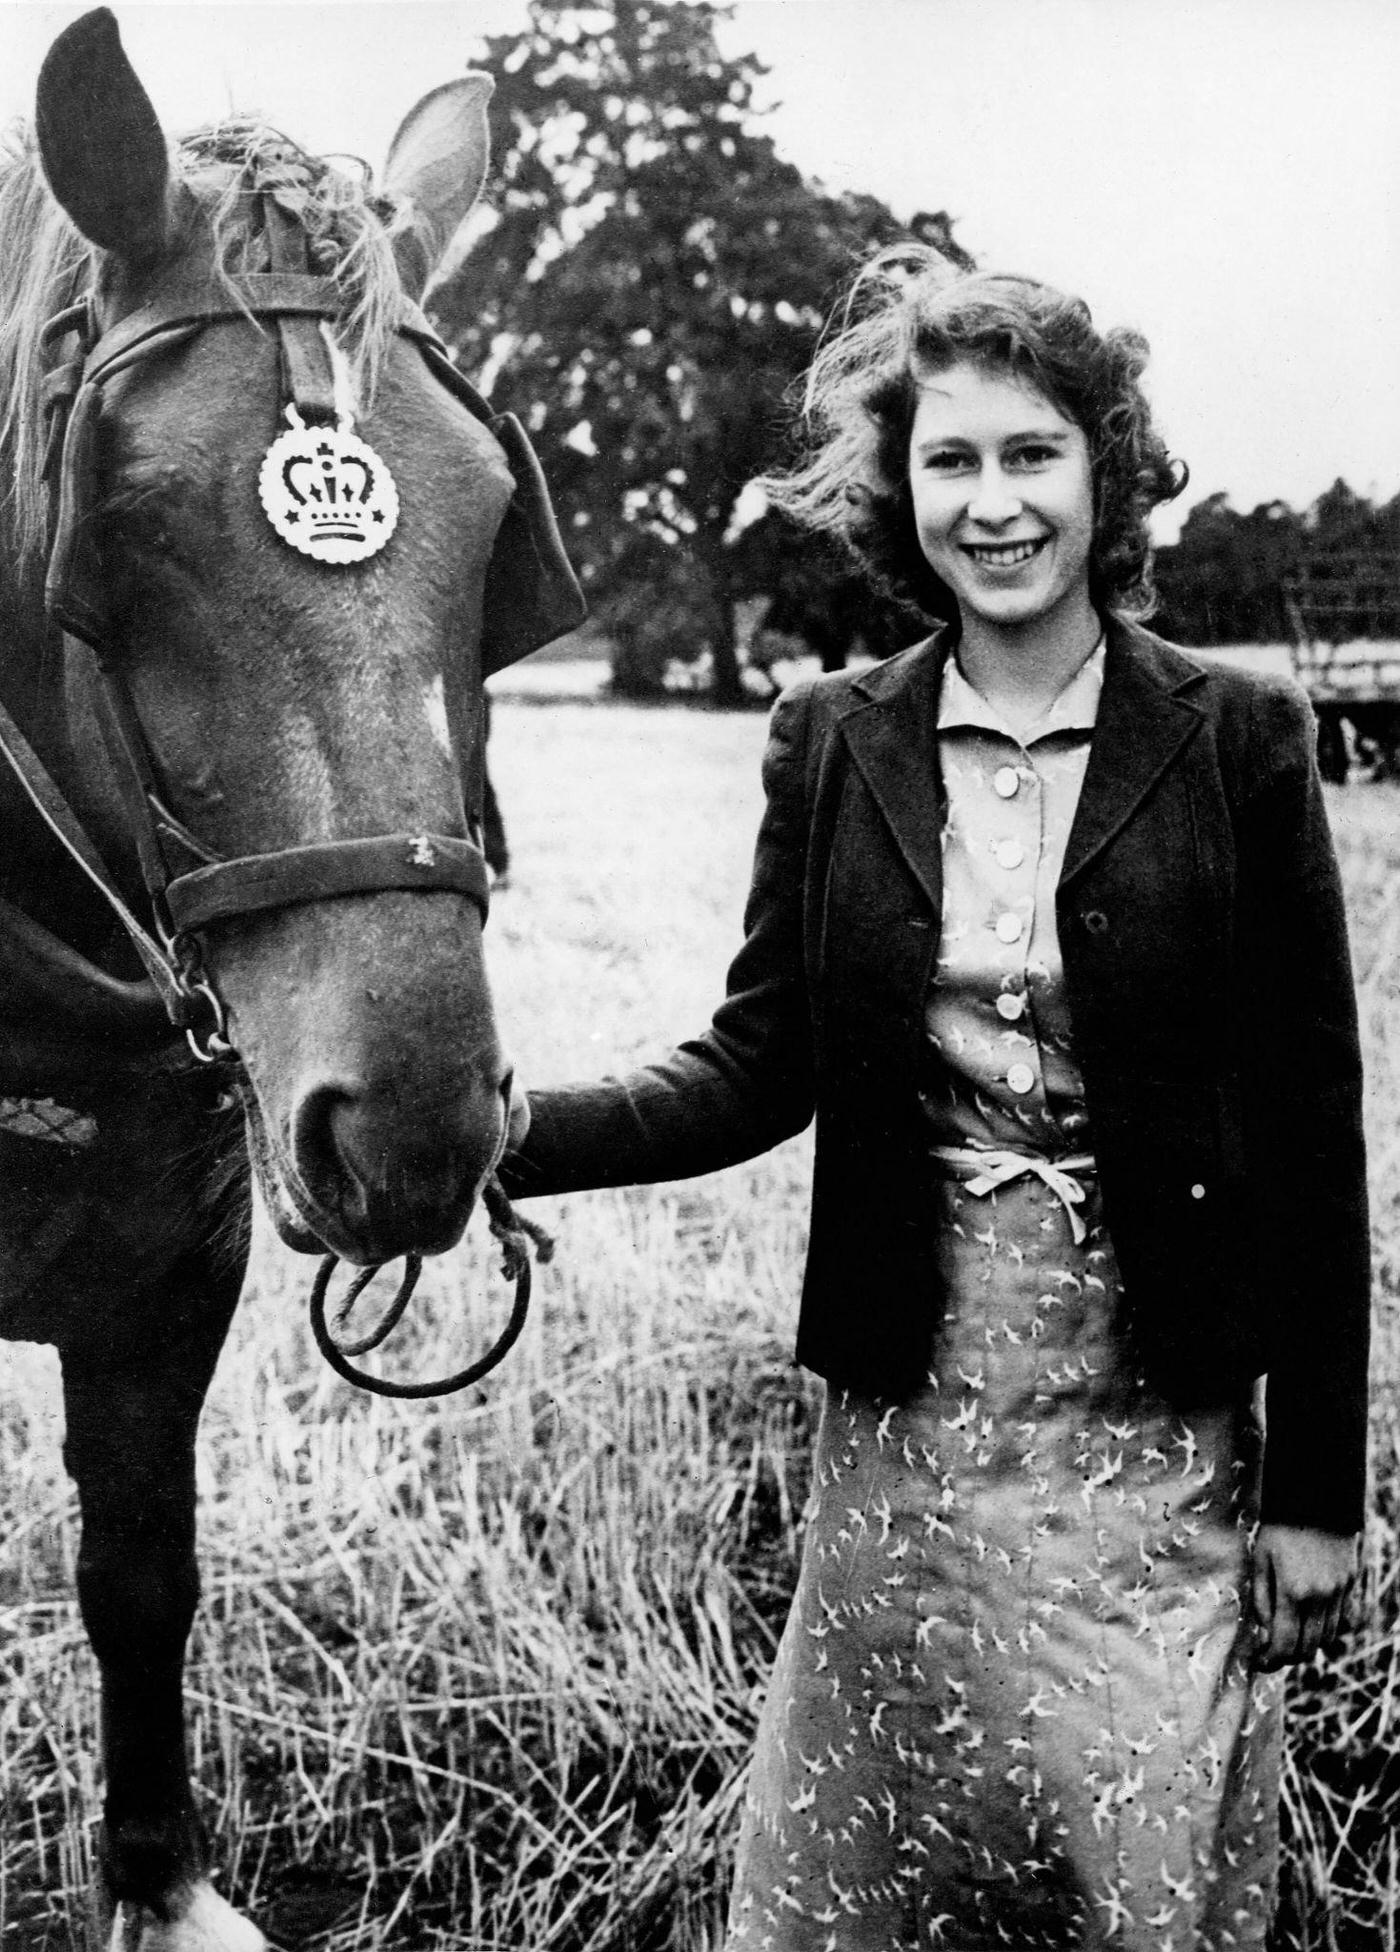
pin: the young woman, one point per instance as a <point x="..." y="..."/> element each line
<point x="1045" y="926"/>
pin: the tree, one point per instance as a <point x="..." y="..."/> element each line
<point x="1273" y="575"/>
<point x="813" y="593"/>
<point x="1225" y="580"/>
<point x="655" y="281"/>
<point x="1347" y="585"/>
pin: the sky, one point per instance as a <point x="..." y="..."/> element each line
<point x="1222" y="174"/>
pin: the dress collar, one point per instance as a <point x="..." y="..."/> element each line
<point x="961" y="706"/>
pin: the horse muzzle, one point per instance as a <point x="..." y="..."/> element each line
<point x="383" y="1183"/>
<point x="342" y="1183"/>
<point x="377" y="1087"/>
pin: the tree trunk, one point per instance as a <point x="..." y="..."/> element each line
<point x="726" y="687"/>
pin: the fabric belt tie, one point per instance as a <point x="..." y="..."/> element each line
<point x="996" y="1167"/>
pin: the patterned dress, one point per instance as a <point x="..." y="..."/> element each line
<point x="1013" y="1705"/>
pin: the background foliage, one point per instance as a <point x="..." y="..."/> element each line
<point x="1269" y="575"/>
<point x="653" y="283"/>
<point x="647" y="286"/>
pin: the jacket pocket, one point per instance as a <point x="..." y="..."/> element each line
<point x="1177" y="1208"/>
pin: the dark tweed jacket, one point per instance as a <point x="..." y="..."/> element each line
<point x="1204" y="944"/>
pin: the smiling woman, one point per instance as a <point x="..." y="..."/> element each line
<point x="1081" y="1178"/>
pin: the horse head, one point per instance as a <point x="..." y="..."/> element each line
<point x="284" y="743"/>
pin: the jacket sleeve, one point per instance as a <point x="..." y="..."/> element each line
<point x="743" y="1086"/>
<point x="1302" y="1097"/>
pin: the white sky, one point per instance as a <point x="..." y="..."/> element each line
<point x="1224" y="174"/>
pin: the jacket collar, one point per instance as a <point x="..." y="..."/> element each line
<point x="1146" y="717"/>
<point x="892" y="732"/>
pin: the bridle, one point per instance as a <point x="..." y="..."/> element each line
<point x="189" y="885"/>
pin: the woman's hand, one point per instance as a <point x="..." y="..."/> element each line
<point x="1302" y="1581"/>
<point x="518" y="1117"/>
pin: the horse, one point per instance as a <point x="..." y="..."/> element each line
<point x="261" y="544"/>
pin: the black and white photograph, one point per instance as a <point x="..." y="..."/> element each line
<point x="700" y="976"/>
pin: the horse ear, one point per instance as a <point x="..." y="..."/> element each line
<point x="100" y="142"/>
<point x="437" y="163"/>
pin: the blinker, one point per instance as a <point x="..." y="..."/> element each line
<point x="532" y="595"/>
<point x="74" y="592"/>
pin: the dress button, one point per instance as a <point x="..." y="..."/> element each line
<point x="1008" y="927"/>
<point x="1006" y="780"/>
<point x="1096" y="921"/>
<point x="1011" y="1004"/>
<point x="1020" y="1079"/>
<point x="1009" y="853"/>
<point x="1198" y="1192"/>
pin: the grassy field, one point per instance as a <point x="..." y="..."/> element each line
<point x="483" y="1675"/>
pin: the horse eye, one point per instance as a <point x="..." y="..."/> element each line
<point x="141" y="522"/>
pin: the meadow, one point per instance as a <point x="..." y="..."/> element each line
<point x="482" y="1675"/>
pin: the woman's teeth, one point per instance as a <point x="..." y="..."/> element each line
<point x="1002" y="555"/>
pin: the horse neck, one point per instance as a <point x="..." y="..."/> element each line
<point x="36" y="688"/>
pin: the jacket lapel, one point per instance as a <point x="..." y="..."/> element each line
<point x="1144" y="721"/>
<point x="892" y="735"/>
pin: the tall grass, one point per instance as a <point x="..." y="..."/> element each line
<point x="483" y="1674"/>
<point x="1342" y="1776"/>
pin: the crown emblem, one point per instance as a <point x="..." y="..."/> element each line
<point x="328" y="494"/>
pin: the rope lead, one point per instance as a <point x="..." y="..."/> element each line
<point x="516" y="1235"/>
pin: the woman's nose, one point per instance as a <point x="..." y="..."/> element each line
<point x="994" y="499"/>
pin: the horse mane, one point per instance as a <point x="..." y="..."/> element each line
<point x="45" y="265"/>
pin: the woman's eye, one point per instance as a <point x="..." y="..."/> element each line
<point x="944" y="461"/>
<point x="1033" y="457"/>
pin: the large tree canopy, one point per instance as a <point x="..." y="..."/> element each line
<point x="654" y="282"/>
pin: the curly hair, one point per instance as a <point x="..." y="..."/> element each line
<point x="911" y="314"/>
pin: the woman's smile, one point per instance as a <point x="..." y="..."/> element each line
<point x="1003" y="555"/>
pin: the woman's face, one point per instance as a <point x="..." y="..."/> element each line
<point x="1003" y="496"/>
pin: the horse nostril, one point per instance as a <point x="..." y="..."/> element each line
<point x="322" y="1123"/>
